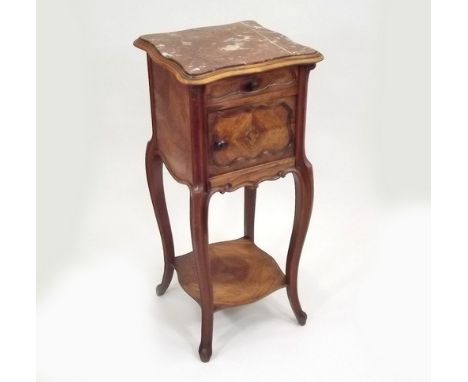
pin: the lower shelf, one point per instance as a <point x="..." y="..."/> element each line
<point x="241" y="273"/>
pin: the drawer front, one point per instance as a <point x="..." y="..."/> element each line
<point x="245" y="136"/>
<point x="236" y="88"/>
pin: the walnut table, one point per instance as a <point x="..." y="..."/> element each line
<point x="228" y="110"/>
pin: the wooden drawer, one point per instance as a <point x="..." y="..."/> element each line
<point x="282" y="82"/>
<point x="244" y="136"/>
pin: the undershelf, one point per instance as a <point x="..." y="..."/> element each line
<point x="241" y="273"/>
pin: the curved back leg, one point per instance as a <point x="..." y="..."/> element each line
<point x="250" y="196"/>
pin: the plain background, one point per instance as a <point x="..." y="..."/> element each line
<point x="365" y="266"/>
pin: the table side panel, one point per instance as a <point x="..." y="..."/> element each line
<point x="173" y="130"/>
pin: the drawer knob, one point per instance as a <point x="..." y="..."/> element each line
<point x="219" y="145"/>
<point x="251" y="85"/>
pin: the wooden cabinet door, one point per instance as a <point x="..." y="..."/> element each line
<point x="248" y="135"/>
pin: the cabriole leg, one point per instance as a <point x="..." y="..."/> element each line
<point x="303" y="181"/>
<point x="199" y="200"/>
<point x="155" y="183"/>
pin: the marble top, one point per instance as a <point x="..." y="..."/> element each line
<point x="203" y="50"/>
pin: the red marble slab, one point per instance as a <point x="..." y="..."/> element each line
<point x="204" y="50"/>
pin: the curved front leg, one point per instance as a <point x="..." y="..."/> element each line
<point x="199" y="200"/>
<point x="304" y="186"/>
<point x="155" y="183"/>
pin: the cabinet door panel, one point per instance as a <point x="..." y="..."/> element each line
<point x="246" y="136"/>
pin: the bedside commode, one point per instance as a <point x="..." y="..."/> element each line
<point x="228" y="107"/>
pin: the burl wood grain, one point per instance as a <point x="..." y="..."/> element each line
<point x="241" y="273"/>
<point x="173" y="125"/>
<point x="249" y="135"/>
<point x="204" y="55"/>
